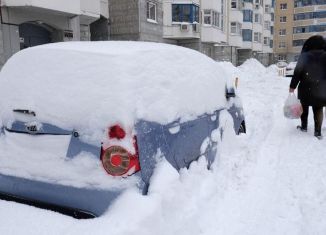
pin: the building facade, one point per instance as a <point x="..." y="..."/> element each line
<point x="225" y="30"/>
<point x="229" y="30"/>
<point x="296" y="21"/>
<point x="26" y="23"/>
<point x="257" y="31"/>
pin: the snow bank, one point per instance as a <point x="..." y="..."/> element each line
<point x="89" y="86"/>
<point x="252" y="67"/>
<point x="272" y="69"/>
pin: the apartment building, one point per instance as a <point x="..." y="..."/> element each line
<point x="295" y="22"/>
<point x="256" y="31"/>
<point x="213" y="27"/>
<point x="26" y="23"/>
<point x="228" y="30"/>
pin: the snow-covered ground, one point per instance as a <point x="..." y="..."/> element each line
<point x="269" y="181"/>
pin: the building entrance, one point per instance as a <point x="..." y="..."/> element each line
<point x="33" y="34"/>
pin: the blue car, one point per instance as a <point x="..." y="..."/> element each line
<point x="81" y="122"/>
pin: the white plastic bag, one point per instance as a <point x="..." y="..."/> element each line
<point x="292" y="107"/>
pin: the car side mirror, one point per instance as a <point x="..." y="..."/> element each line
<point x="230" y="93"/>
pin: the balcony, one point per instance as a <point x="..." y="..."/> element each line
<point x="235" y="40"/>
<point x="212" y="34"/>
<point x="71" y="7"/>
<point x="182" y="31"/>
<point x="89" y="9"/>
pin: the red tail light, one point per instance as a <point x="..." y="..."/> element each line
<point x="117" y="132"/>
<point x="116" y="160"/>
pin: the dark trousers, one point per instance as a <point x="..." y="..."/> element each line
<point x="318" y="117"/>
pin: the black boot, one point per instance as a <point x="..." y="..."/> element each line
<point x="318" y="135"/>
<point x="303" y="129"/>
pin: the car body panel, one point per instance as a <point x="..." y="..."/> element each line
<point x="180" y="143"/>
<point x="93" y="201"/>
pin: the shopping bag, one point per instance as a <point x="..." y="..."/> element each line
<point x="292" y="107"/>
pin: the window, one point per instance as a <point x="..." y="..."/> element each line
<point x="272" y="30"/>
<point x="234" y="4"/>
<point x="267" y="8"/>
<point x="282" y="45"/>
<point x="267" y="25"/>
<point x="247" y="15"/>
<point x="151" y="11"/>
<point x="247" y="35"/>
<point x="258" y="18"/>
<point x="281" y="57"/>
<point x="185" y="13"/>
<point x="272" y="17"/>
<point x="298" y="43"/>
<point x="257" y="37"/>
<point x="207" y="17"/>
<point x="284" y="6"/>
<point x="302" y="29"/>
<point x="309" y="29"/>
<point x="266" y="41"/>
<point x="271" y="43"/>
<point x="259" y="2"/>
<point x="302" y="3"/>
<point x="310" y="15"/>
<point x="216" y="18"/>
<point x="283" y="19"/>
<point x="282" y="32"/>
<point x="211" y="18"/>
<point x="235" y="28"/>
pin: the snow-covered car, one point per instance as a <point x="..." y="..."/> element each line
<point x="290" y="69"/>
<point x="80" y="122"/>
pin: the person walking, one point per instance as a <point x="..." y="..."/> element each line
<point x="310" y="75"/>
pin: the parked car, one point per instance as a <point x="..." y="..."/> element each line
<point x="290" y="69"/>
<point x="80" y="122"/>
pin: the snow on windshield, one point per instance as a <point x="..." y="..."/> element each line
<point x="92" y="85"/>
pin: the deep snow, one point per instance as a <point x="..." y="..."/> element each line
<point x="269" y="181"/>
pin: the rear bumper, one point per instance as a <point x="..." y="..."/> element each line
<point x="76" y="202"/>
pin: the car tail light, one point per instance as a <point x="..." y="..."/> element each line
<point x="116" y="160"/>
<point x="116" y="132"/>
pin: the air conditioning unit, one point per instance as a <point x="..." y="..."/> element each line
<point x="196" y="28"/>
<point x="256" y="6"/>
<point x="184" y="27"/>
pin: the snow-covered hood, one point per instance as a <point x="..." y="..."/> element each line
<point x="91" y="85"/>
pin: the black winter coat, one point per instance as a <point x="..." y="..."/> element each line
<point x="310" y="73"/>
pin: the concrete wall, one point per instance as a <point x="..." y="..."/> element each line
<point x="10" y="39"/>
<point x="124" y="18"/>
<point x="2" y="58"/>
<point x="151" y="31"/>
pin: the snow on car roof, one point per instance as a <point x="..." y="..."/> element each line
<point x="91" y="85"/>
